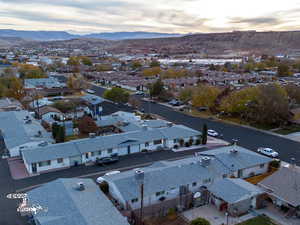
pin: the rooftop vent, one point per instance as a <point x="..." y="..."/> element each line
<point x="80" y="186"/>
<point x="139" y="175"/>
<point x="205" y="160"/>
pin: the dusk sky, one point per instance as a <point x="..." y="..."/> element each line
<point x="175" y="16"/>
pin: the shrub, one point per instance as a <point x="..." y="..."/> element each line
<point x="200" y="221"/>
<point x="198" y="142"/>
<point x="191" y="141"/>
<point x="187" y="144"/>
<point x="172" y="214"/>
<point x="176" y="146"/>
<point x="181" y="142"/>
<point x="275" y="164"/>
<point x="104" y="187"/>
<point x="144" y="150"/>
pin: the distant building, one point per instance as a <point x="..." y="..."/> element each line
<point x="73" y="202"/>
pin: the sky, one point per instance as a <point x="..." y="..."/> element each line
<point x="169" y="16"/>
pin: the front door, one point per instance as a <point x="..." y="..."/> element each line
<point x="33" y="167"/>
<point x="128" y="150"/>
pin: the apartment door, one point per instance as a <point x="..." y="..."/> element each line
<point x="33" y="168"/>
<point x="128" y="150"/>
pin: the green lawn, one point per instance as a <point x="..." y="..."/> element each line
<point x="289" y="129"/>
<point x="259" y="220"/>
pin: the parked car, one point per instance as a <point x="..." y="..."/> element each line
<point x="107" y="160"/>
<point x="100" y="180"/>
<point x="90" y="91"/>
<point x="268" y="152"/>
<point x="139" y="93"/>
<point x="175" y="102"/>
<point x="212" y="133"/>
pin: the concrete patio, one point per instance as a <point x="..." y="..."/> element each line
<point x="17" y="168"/>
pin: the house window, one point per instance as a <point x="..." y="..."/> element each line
<point x="157" y="142"/>
<point x="134" y="200"/>
<point x="45" y="163"/>
<point x="176" y="140"/>
<point x="60" y="160"/>
<point x="194" y="184"/>
<point x="146" y="144"/>
<point x="261" y="165"/>
<point x="160" y="193"/>
<point x="100" y="152"/>
<point x="205" y="181"/>
<point x="87" y="155"/>
<point x="92" y="154"/>
<point x="109" y="150"/>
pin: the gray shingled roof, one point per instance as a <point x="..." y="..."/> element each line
<point x="233" y="190"/>
<point x="285" y="184"/>
<point x="165" y="175"/>
<point x="16" y="132"/>
<point x="68" y="206"/>
<point x="105" y="142"/>
<point x="243" y="158"/>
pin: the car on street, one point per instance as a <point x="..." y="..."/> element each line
<point x="212" y="133"/>
<point x="175" y="102"/>
<point x="139" y="93"/>
<point x="268" y="152"/>
<point x="107" y="160"/>
<point x="90" y="91"/>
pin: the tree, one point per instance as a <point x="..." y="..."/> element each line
<point x="200" y="221"/>
<point x="186" y="94"/>
<point x="73" y="61"/>
<point x="116" y="95"/>
<point x="204" y="134"/>
<point x="28" y="71"/>
<point x="205" y="95"/>
<point x="283" y="70"/>
<point x="104" y="67"/>
<point x="76" y="82"/>
<point x="58" y="133"/>
<point x="157" y="88"/>
<point x="293" y="92"/>
<point x="87" y="125"/>
<point x="150" y="72"/>
<point x="135" y="102"/>
<point x="14" y="89"/>
<point x="136" y="65"/>
<point x="154" y="63"/>
<point x="86" y="61"/>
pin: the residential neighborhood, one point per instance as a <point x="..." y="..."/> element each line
<point x="155" y="112"/>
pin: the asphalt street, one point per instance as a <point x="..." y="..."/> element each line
<point x="247" y="137"/>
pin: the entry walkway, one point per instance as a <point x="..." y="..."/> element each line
<point x="17" y="168"/>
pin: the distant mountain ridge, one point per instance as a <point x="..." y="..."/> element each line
<point x="63" y="35"/>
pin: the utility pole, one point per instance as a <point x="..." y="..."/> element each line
<point x="139" y="175"/>
<point x="142" y="203"/>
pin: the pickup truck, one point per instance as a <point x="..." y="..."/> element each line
<point x="107" y="160"/>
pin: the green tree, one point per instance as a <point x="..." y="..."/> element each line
<point x="293" y="92"/>
<point x="73" y="61"/>
<point x="204" y="134"/>
<point x="205" y="95"/>
<point x="150" y="72"/>
<point x="136" y="64"/>
<point x="157" y="88"/>
<point x="186" y="94"/>
<point x="61" y="135"/>
<point x="154" y="63"/>
<point x="116" y="95"/>
<point x="283" y="70"/>
<point x="199" y="221"/>
<point x="86" y="61"/>
<point x="28" y="71"/>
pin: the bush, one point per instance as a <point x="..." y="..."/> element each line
<point x="275" y="164"/>
<point x="187" y="144"/>
<point x="176" y="146"/>
<point x="181" y="142"/>
<point x="104" y="187"/>
<point x="200" y="221"/>
<point x="172" y="214"/>
<point x="144" y="150"/>
<point x="191" y="141"/>
<point x="198" y="142"/>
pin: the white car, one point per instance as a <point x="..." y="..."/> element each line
<point x="268" y="152"/>
<point x="90" y="91"/>
<point x="213" y="133"/>
<point x="99" y="180"/>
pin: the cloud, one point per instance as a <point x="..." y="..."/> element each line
<point x="256" y="21"/>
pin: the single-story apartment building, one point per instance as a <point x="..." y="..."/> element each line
<point x="21" y="131"/>
<point x="178" y="180"/>
<point x="72" y="201"/>
<point x="89" y="149"/>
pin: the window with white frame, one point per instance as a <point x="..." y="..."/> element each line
<point x="157" y="142"/>
<point x="109" y="150"/>
<point x="45" y="163"/>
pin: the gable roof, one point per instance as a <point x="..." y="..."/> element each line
<point x="167" y="174"/>
<point x="285" y="184"/>
<point x="233" y="190"/>
<point x="46" y="109"/>
<point x="68" y="206"/>
<point x="81" y="146"/>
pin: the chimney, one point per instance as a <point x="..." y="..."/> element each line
<point x="80" y="186"/>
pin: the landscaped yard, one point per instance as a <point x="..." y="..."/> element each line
<point x="259" y="220"/>
<point x="289" y="129"/>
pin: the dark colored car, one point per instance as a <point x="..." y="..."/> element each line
<point x="107" y="160"/>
